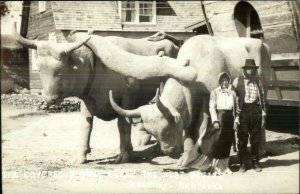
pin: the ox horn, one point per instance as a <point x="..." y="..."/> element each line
<point x="23" y="41"/>
<point x="121" y="111"/>
<point x="74" y="46"/>
<point x="171" y="114"/>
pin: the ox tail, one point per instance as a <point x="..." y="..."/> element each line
<point x="121" y="111"/>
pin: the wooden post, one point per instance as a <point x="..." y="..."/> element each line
<point x="206" y="20"/>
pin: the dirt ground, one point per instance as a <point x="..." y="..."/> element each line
<point x="37" y="151"/>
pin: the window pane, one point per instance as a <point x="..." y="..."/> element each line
<point x="145" y="18"/>
<point x="128" y="16"/>
<point x="146" y="10"/>
<point x="128" y="4"/>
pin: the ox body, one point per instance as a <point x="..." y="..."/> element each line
<point x="72" y="69"/>
<point x="188" y="102"/>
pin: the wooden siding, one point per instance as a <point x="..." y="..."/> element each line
<point x="103" y="16"/>
<point x="275" y="16"/>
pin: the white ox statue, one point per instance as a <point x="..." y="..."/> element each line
<point x="184" y="106"/>
<point x="72" y="69"/>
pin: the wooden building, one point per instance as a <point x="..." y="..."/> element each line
<point x="276" y="22"/>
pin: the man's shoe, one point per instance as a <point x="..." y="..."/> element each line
<point x="256" y="166"/>
<point x="243" y="168"/>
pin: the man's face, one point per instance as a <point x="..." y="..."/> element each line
<point x="250" y="72"/>
<point x="224" y="82"/>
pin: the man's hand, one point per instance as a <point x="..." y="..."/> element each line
<point x="216" y="125"/>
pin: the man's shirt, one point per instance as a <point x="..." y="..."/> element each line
<point x="251" y="94"/>
<point x="251" y="91"/>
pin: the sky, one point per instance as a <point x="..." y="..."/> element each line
<point x="15" y="8"/>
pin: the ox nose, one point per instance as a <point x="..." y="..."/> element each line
<point x="53" y="101"/>
<point x="168" y="150"/>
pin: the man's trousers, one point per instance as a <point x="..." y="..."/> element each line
<point x="250" y="124"/>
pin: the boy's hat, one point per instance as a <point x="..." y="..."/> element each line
<point x="250" y="63"/>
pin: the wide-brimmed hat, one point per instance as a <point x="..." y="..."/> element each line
<point x="250" y="63"/>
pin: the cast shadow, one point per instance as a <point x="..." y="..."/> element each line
<point x="141" y="156"/>
<point x="274" y="163"/>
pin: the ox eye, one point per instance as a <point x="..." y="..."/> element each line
<point x="58" y="74"/>
<point x="167" y="134"/>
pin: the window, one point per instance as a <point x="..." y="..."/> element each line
<point x="42" y="6"/>
<point x="137" y="11"/>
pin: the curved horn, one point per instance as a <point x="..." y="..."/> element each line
<point x="121" y="111"/>
<point x="171" y="114"/>
<point x="74" y="46"/>
<point x="23" y="41"/>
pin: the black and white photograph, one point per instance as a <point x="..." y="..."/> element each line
<point x="150" y="96"/>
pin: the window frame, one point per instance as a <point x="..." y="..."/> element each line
<point x="137" y="11"/>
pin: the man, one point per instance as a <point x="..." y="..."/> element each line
<point x="251" y="112"/>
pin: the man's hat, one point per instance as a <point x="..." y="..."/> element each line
<point x="250" y="63"/>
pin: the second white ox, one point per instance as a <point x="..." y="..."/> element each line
<point x="184" y="106"/>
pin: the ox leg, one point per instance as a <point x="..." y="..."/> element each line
<point x="191" y="146"/>
<point x="85" y="134"/>
<point x="125" y="141"/>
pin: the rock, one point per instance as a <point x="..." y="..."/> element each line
<point x="36" y="102"/>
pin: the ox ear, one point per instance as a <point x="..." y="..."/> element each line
<point x="161" y="35"/>
<point x="157" y="36"/>
<point x="170" y="113"/>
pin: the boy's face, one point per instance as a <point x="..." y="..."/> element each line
<point x="224" y="82"/>
<point x="250" y="72"/>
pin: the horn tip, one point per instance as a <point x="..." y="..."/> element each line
<point x="110" y="96"/>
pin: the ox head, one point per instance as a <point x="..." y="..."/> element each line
<point x="52" y="60"/>
<point x="161" y="120"/>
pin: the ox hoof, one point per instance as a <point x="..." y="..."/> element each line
<point x="187" y="158"/>
<point x="79" y="160"/>
<point x="81" y="156"/>
<point x="144" y="139"/>
<point x="123" y="157"/>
